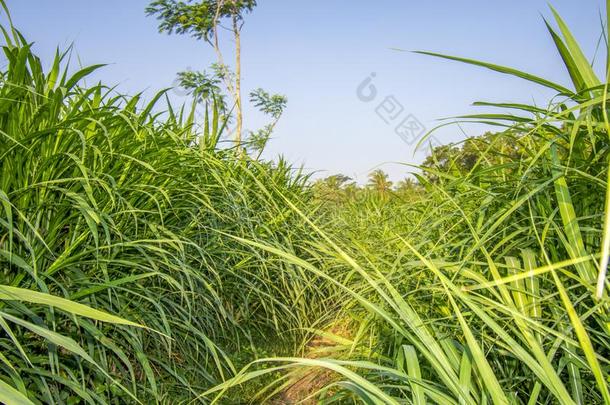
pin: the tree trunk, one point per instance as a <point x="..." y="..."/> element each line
<point x="238" y="106"/>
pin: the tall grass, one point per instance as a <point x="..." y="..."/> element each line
<point x="491" y="288"/>
<point x="142" y="262"/>
<point x="118" y="283"/>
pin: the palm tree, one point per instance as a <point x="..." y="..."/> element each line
<point x="330" y="188"/>
<point x="378" y="181"/>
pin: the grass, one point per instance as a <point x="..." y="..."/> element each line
<point x="491" y="287"/>
<point x="108" y="204"/>
<point x="142" y="261"/>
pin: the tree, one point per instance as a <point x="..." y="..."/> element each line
<point x="442" y="159"/>
<point x="201" y="20"/>
<point x="336" y="181"/>
<point x="330" y="188"/>
<point x="487" y="150"/>
<point x="378" y="181"/>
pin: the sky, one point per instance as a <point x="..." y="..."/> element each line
<point x="330" y="57"/>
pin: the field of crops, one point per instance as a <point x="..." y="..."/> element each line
<point x="142" y="261"/>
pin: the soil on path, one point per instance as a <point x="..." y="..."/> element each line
<point x="312" y="379"/>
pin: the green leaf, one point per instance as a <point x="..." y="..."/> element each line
<point x="10" y="396"/>
<point x="505" y="70"/>
<point x="21" y="294"/>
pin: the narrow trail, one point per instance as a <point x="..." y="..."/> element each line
<point x="311" y="380"/>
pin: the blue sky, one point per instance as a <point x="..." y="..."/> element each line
<point x="318" y="52"/>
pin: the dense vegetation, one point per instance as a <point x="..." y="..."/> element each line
<point x="142" y="262"/>
<point x="125" y="210"/>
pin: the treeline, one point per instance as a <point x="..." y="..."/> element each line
<point x="443" y="164"/>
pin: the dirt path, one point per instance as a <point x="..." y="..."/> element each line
<point x="312" y="380"/>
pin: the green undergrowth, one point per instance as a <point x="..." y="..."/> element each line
<point x="143" y="260"/>
<point x="488" y="282"/>
<point x="107" y="203"/>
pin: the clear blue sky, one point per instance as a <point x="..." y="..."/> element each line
<point x="317" y="52"/>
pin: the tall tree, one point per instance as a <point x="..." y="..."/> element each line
<point x="201" y="20"/>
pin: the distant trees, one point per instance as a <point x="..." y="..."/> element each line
<point x="380" y="183"/>
<point x="408" y="189"/>
<point x="331" y="188"/>
<point x="476" y="152"/>
<point x="339" y="188"/>
<point x="497" y="151"/>
<point x="406" y="185"/>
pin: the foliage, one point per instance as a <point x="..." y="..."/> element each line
<point x="196" y="18"/>
<point x="140" y="262"/>
<point x="118" y="283"/>
<point x="202" y="87"/>
<point x="488" y="150"/>
<point x="378" y="181"/>
<point x="201" y="20"/>
<point x="491" y="286"/>
<point x="270" y="104"/>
